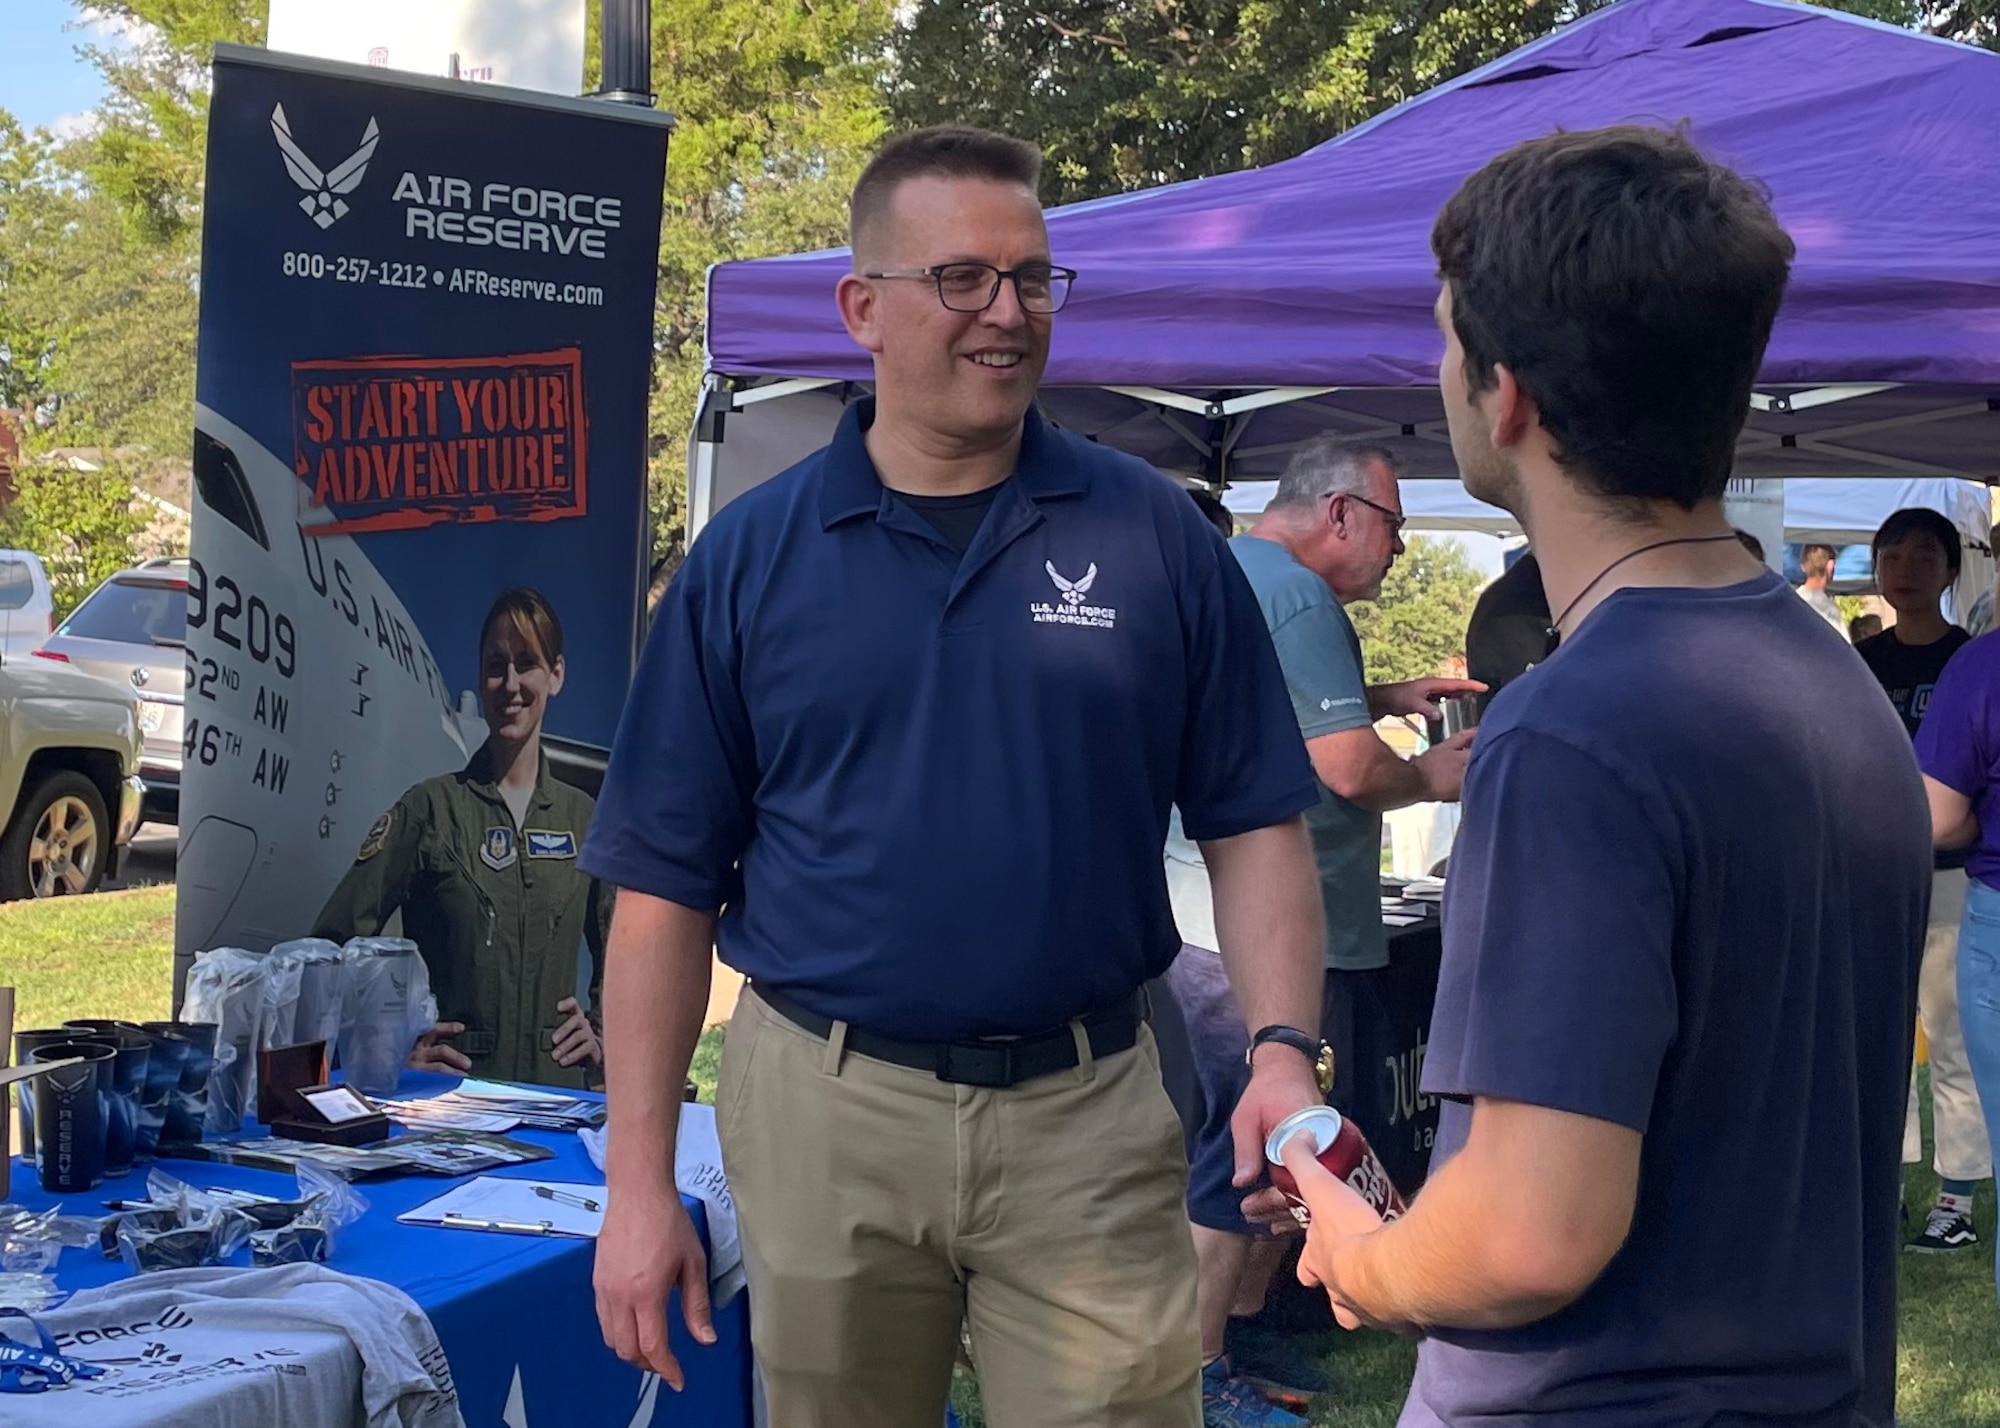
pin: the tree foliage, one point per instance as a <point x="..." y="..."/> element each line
<point x="777" y="104"/>
<point x="1126" y="94"/>
<point x="1418" y="626"/>
<point x="82" y="524"/>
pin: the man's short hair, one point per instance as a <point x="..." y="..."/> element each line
<point x="1629" y="283"/>
<point x="945" y="151"/>
<point x="1749" y="542"/>
<point x="1816" y="560"/>
<point x="1922" y="523"/>
<point x="1327" y="464"/>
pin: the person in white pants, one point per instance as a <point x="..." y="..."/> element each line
<point x="1917" y="554"/>
<point x="1962" y="1156"/>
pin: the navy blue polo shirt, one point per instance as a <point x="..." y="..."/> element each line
<point x="927" y="792"/>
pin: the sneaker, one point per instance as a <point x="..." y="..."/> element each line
<point x="1229" y="1402"/>
<point x="1275" y="1365"/>
<point x="1945" y="1231"/>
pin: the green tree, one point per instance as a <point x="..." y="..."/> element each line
<point x="777" y="105"/>
<point x="81" y="523"/>
<point x="1126" y="94"/>
<point x="1418" y="626"/>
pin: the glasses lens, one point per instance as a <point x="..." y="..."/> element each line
<point x="1043" y="289"/>
<point x="966" y="287"/>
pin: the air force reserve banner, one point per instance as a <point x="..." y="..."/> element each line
<point x="420" y="521"/>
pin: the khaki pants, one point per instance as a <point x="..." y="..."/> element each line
<point x="881" y="1207"/>
<point x="1956" y="1120"/>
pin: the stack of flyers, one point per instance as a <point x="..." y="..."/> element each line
<point x="445" y="1113"/>
<point x="533" y="1106"/>
<point x="435" y="1152"/>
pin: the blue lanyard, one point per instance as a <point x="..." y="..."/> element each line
<point x="26" y="1369"/>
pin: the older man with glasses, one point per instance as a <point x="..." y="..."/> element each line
<point x="1327" y="539"/>
<point x="903" y="743"/>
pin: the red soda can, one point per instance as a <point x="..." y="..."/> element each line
<point x="1338" y="1145"/>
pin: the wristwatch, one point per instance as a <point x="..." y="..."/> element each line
<point x="1310" y="1047"/>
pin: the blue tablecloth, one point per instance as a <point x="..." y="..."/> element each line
<point x="503" y="1305"/>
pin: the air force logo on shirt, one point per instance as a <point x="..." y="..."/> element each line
<point x="497" y="849"/>
<point x="1072" y="610"/>
<point x="542" y="843"/>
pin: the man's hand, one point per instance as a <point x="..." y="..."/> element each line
<point x="1338" y="1213"/>
<point x="431" y="1054"/>
<point x="648" y="1247"/>
<point x="1281" y="1084"/>
<point x="1417" y="696"/>
<point x="1443" y="767"/>
<point x="576" y="1039"/>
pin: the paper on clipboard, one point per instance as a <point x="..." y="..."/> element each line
<point x="488" y="1202"/>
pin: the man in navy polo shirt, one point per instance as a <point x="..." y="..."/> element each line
<point x="904" y="742"/>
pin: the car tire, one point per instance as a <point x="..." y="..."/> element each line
<point x="59" y="841"/>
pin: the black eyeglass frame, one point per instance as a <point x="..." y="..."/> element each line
<point x="1396" y="519"/>
<point x="936" y="271"/>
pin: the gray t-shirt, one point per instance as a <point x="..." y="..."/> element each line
<point x="1321" y="658"/>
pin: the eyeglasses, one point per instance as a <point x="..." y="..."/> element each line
<point x="972" y="287"/>
<point x="1396" y="519"/>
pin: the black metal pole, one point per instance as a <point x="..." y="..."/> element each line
<point x="628" y="52"/>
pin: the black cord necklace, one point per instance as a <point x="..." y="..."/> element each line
<point x="1555" y="625"/>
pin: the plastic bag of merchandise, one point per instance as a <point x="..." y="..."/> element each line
<point x="226" y="986"/>
<point x="330" y="1206"/>
<point x="319" y="993"/>
<point x="387" y="1007"/>
<point x="211" y="1239"/>
<point x="280" y="1005"/>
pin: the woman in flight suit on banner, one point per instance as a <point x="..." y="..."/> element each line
<point x="482" y="863"/>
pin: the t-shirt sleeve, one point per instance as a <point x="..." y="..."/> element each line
<point x="675" y="812"/>
<point x="1952" y="741"/>
<point x="1557" y="986"/>
<point x="1316" y="651"/>
<point x="1242" y="763"/>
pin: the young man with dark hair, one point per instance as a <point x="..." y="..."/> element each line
<point x="1917" y="556"/>
<point x="901" y="749"/>
<point x="1683" y="921"/>
<point x="1816" y="565"/>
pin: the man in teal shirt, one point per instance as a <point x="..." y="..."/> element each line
<point x="1328" y="538"/>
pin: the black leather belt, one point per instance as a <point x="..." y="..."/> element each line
<point x="990" y="1064"/>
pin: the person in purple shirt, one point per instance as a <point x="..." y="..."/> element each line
<point x="1958" y="748"/>
<point x="1685" y="911"/>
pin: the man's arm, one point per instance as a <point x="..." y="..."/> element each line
<point x="655" y="993"/>
<point x="1953" y="823"/>
<point x="1513" y="1228"/>
<point x="1361" y="768"/>
<point x="1272" y="927"/>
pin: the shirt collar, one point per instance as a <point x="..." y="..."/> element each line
<point x="479" y="773"/>
<point x="849" y="487"/>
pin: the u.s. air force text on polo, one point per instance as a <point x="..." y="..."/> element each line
<point x="929" y="791"/>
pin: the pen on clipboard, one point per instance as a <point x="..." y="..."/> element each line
<point x="564" y="1197"/>
<point x="453" y="1220"/>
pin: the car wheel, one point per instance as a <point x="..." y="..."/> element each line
<point x="59" y="840"/>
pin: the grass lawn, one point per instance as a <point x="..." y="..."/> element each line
<point x="112" y="954"/>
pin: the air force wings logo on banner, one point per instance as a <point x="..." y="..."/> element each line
<point x="322" y="202"/>
<point x="1072" y="590"/>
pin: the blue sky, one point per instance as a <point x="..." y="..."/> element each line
<point x="44" y="78"/>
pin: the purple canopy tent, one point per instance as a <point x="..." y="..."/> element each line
<point x="1219" y="322"/>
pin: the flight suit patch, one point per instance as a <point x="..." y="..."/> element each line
<point x="378" y="835"/>
<point x="497" y="851"/>
<point x="543" y="843"/>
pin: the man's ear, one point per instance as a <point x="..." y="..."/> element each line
<point x="859" y="304"/>
<point x="1510" y="412"/>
